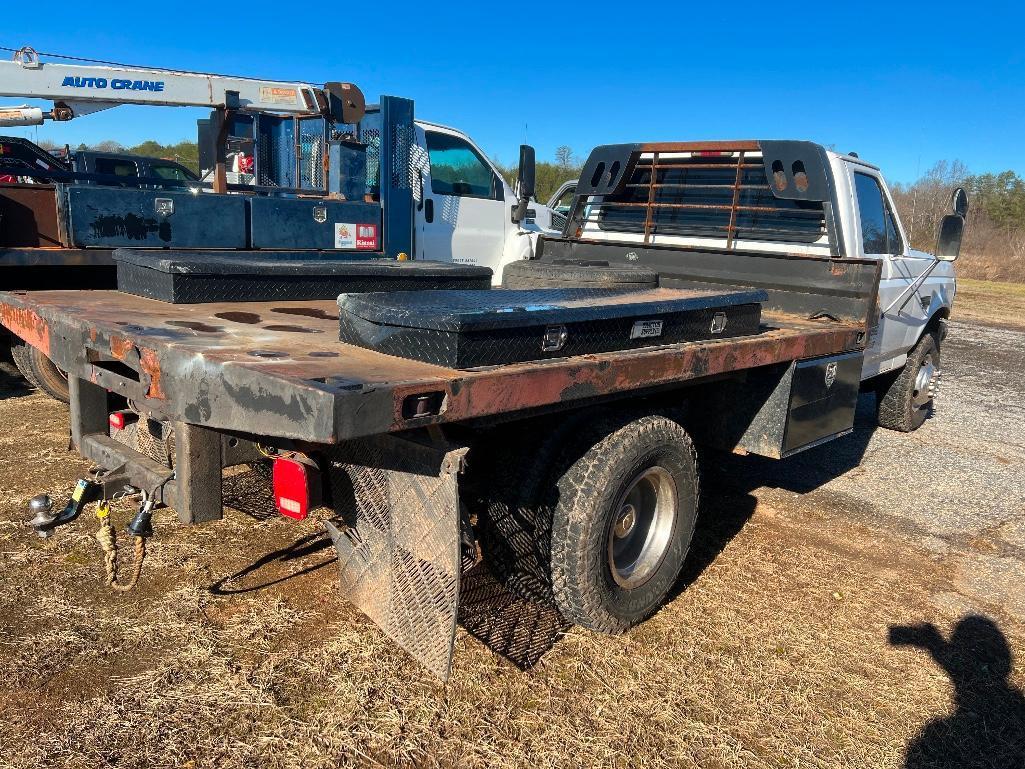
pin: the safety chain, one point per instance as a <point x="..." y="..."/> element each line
<point x="107" y="538"/>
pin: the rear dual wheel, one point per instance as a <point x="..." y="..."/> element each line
<point x="598" y="519"/>
<point x="40" y="371"/>
<point x="623" y="525"/>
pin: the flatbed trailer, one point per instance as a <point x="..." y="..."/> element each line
<point x="559" y="465"/>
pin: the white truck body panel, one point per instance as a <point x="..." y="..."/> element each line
<point x="471" y="228"/>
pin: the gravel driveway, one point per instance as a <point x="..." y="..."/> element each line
<point x="956" y="486"/>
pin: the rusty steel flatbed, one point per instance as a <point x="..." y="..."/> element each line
<point x="277" y="368"/>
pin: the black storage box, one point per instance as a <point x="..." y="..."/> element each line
<point x="200" y="277"/>
<point x="467" y="329"/>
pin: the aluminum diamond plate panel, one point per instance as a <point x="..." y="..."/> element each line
<point x="398" y="543"/>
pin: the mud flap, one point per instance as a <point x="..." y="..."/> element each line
<point x="398" y="541"/>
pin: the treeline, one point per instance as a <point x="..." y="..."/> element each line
<point x="549" y="175"/>
<point x="994" y="245"/>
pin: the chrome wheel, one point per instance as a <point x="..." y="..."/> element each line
<point x="643" y="527"/>
<point x="925" y="382"/>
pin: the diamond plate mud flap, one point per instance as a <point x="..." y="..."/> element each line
<point x="399" y="542"/>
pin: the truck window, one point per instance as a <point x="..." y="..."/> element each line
<point x="457" y="169"/>
<point x="170" y="172"/>
<point x="565" y="201"/>
<point x="115" y="167"/>
<point x="878" y="228"/>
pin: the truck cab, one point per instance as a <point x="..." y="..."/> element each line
<point x="916" y="290"/>
<point x="465" y="208"/>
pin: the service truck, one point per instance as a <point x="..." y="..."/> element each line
<point x="542" y="430"/>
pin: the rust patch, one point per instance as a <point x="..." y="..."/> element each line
<point x="526" y="386"/>
<point x="150" y="363"/>
<point x="120" y="347"/>
<point x="27" y="324"/>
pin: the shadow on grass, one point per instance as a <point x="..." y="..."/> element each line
<point x="801" y="473"/>
<point x="12" y="384"/>
<point x="302" y="548"/>
<point x="516" y="628"/>
<point x="250" y="492"/>
<point x="987" y="729"/>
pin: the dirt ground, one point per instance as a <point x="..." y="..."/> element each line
<point x="858" y="606"/>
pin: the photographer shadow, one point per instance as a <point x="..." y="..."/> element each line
<point x="987" y="729"/>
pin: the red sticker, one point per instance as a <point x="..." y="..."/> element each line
<point x="366" y="236"/>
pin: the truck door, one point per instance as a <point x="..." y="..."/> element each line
<point x="881" y="238"/>
<point x="461" y="216"/>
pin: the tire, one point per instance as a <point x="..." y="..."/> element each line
<point x="623" y="523"/>
<point x="41" y="372"/>
<point x="905" y="401"/>
<point x="527" y="274"/>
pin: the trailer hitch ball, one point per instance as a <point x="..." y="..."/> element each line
<point x="45" y="520"/>
<point x="41" y="508"/>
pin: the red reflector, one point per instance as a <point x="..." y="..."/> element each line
<point x="296" y="487"/>
<point x="117" y="420"/>
<point x="710" y="154"/>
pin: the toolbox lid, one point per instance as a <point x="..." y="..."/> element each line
<point x="502" y="308"/>
<point x="290" y="263"/>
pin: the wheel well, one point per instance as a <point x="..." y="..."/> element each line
<point x="937" y="318"/>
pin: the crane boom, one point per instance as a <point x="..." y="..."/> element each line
<point x="77" y="89"/>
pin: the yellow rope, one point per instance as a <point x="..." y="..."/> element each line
<point x="107" y="538"/>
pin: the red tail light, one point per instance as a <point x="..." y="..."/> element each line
<point x="119" y="419"/>
<point x="296" y="487"/>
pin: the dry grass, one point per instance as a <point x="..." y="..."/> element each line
<point x="775" y="655"/>
<point x="1004" y="265"/>
<point x="990" y="302"/>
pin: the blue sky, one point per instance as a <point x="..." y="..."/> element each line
<point x="903" y="84"/>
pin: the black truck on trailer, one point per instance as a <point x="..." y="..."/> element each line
<point x="553" y="432"/>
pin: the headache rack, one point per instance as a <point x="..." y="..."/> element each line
<point x="733" y="192"/>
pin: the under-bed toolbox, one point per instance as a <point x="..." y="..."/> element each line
<point x="200" y="277"/>
<point x="466" y="329"/>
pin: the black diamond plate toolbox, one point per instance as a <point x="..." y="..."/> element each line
<point x="468" y="329"/>
<point x="200" y="277"/>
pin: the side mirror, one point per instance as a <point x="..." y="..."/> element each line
<point x="948" y="241"/>
<point x="524" y="182"/>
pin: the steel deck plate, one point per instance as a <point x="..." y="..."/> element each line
<point x="277" y="369"/>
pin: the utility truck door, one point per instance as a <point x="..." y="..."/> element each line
<point x="462" y="214"/>
<point x="881" y="238"/>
